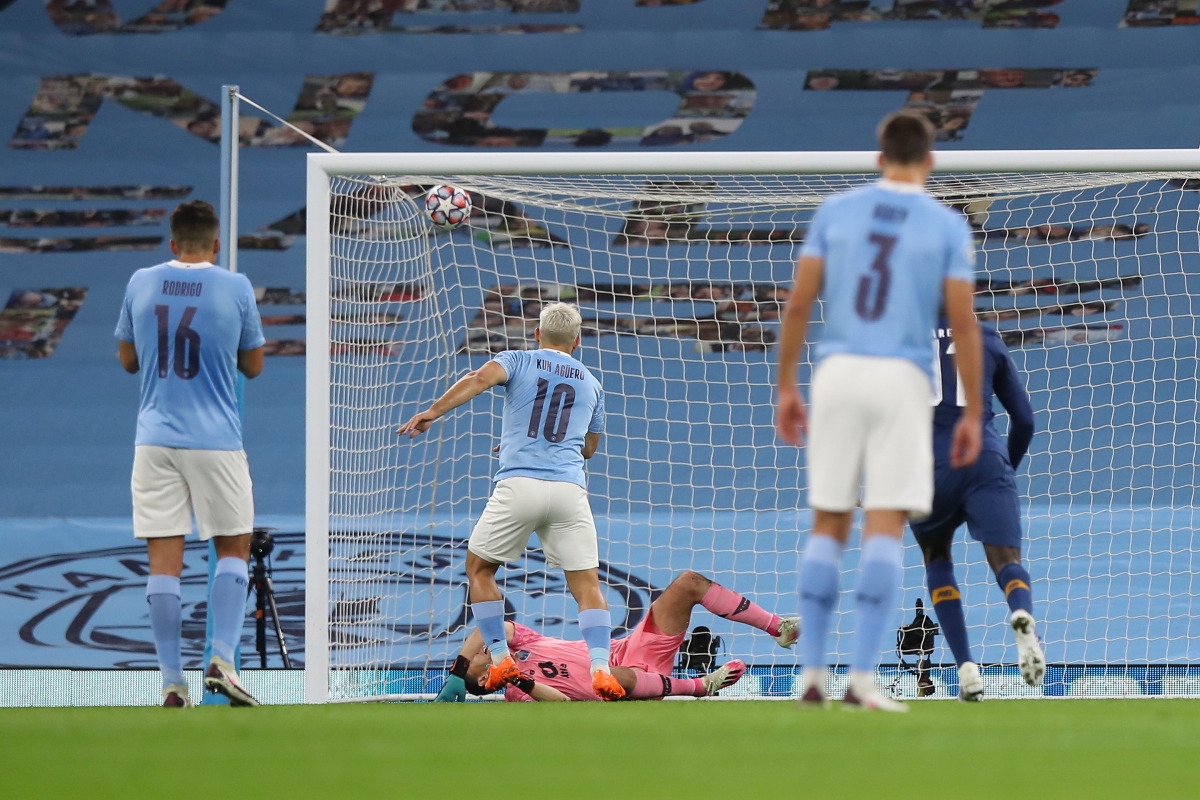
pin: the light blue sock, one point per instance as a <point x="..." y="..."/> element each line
<point x="878" y="579"/>
<point x="820" y="571"/>
<point x="596" y="626"/>
<point x="227" y="605"/>
<point x="489" y="616"/>
<point x="162" y="594"/>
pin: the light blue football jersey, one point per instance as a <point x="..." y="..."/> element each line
<point x="551" y="401"/>
<point x="887" y="249"/>
<point x="188" y="324"/>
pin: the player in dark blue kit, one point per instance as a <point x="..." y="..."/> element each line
<point x="984" y="496"/>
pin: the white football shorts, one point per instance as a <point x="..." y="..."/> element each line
<point x="558" y="511"/>
<point x="169" y="483"/>
<point x="871" y="425"/>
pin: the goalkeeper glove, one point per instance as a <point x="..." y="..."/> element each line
<point x="455" y="690"/>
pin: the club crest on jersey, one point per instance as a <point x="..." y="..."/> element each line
<point x="522" y="655"/>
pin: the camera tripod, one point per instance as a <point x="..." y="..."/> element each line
<point x="261" y="545"/>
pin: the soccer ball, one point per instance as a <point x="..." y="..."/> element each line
<point x="447" y="206"/>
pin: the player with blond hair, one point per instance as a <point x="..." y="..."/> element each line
<point x="553" y="420"/>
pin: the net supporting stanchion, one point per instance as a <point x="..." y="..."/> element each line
<point x="680" y="270"/>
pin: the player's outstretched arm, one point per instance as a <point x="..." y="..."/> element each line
<point x="468" y="387"/>
<point x="128" y="355"/>
<point x="791" y="420"/>
<point x="968" y="356"/>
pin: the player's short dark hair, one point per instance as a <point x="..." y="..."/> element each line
<point x="194" y="225"/>
<point x="473" y="686"/>
<point x="905" y="137"/>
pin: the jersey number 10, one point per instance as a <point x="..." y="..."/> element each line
<point x="557" y="419"/>
<point x="187" y="343"/>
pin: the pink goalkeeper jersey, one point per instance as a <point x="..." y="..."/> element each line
<point x="553" y="662"/>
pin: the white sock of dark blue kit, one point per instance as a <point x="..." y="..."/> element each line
<point x="879" y="578"/>
<point x="596" y="626"/>
<point x="227" y="605"/>
<point x="162" y="595"/>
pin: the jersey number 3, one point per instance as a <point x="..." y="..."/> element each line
<point x="187" y="343"/>
<point x="869" y="304"/>
<point x="562" y="399"/>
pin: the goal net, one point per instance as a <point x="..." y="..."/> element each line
<point x="681" y="278"/>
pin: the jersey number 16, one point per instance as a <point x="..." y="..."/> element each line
<point x="187" y="343"/>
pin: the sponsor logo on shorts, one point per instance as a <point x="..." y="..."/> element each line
<point x="943" y="593"/>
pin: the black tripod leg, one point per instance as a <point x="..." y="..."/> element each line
<point x="260" y="607"/>
<point x="283" y="651"/>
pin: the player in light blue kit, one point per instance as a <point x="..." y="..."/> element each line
<point x="553" y="420"/>
<point x="190" y="327"/>
<point x="883" y="258"/>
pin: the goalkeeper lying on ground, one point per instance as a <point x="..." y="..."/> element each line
<point x="555" y="669"/>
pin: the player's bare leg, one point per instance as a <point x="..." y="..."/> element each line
<point x="672" y="611"/>
<point x="595" y="624"/>
<point x="487" y="605"/>
<point x="162" y="596"/>
<point x="820" y="570"/>
<point x="879" y="578"/>
<point x="227" y="607"/>
<point x="1014" y="581"/>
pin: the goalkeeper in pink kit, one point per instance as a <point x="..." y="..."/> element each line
<point x="556" y="669"/>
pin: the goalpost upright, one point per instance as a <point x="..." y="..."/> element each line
<point x="570" y="172"/>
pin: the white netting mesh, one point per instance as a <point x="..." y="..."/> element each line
<point x="1088" y="276"/>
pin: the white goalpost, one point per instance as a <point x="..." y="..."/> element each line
<point x="680" y="262"/>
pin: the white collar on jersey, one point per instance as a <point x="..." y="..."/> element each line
<point x="174" y="262"/>
<point x="900" y="186"/>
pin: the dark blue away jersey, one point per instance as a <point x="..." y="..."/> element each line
<point x="1000" y="378"/>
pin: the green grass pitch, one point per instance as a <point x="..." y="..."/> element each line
<point x="736" y="750"/>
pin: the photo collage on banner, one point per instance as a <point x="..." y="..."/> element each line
<point x="720" y="317"/>
<point x="87" y="17"/>
<point x="947" y="97"/>
<point x="64" y="106"/>
<point x="281" y="306"/>
<point x="712" y="104"/>
<point x="356" y="17"/>
<point x="1157" y="13"/>
<point x="819" y="15"/>
<point x="33" y="321"/>
<point x="23" y="219"/>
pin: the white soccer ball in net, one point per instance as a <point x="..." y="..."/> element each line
<point x="447" y="206"/>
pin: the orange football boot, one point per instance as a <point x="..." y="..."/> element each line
<point x="500" y="674"/>
<point x="606" y="686"/>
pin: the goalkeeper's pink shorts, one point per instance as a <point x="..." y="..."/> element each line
<point x="647" y="648"/>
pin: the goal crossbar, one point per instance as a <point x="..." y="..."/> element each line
<point x="746" y="163"/>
